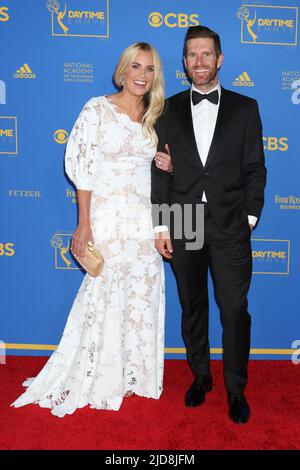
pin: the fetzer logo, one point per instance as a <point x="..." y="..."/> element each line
<point x="24" y="72"/>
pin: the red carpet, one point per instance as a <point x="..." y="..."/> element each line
<point x="273" y="393"/>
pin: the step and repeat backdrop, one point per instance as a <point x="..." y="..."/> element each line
<point x="57" y="54"/>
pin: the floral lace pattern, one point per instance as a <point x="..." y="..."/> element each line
<point x="113" y="341"/>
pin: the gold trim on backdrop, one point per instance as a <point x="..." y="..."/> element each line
<point x="16" y="132"/>
<point x="272" y="43"/>
<point x="220" y="351"/>
<point x="288" y="252"/>
<point x="38" y="347"/>
<point x="53" y="34"/>
<point x="51" y="347"/>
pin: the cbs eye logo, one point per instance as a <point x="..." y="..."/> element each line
<point x="155" y="19"/>
<point x="173" y="20"/>
<point x="61" y="136"/>
<point x="7" y="249"/>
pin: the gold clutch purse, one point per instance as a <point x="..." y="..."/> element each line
<point x="92" y="261"/>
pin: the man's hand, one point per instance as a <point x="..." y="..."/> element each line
<point x="163" y="244"/>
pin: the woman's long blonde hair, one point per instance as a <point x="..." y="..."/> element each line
<point x="154" y="100"/>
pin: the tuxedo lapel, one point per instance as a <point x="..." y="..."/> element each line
<point x="222" y="120"/>
<point x="188" y="129"/>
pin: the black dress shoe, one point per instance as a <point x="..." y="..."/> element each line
<point x="239" y="410"/>
<point x="195" y="395"/>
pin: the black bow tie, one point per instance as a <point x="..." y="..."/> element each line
<point x="213" y="97"/>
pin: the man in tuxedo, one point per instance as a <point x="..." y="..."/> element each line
<point x="214" y="137"/>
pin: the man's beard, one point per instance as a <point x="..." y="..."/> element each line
<point x="204" y="81"/>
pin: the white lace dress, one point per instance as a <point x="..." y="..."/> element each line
<point x="113" y="341"/>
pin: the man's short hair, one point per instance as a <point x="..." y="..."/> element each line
<point x="202" y="32"/>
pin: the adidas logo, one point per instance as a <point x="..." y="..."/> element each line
<point x="24" y="72"/>
<point x="243" y="80"/>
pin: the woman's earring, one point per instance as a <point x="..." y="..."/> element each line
<point x="122" y="81"/>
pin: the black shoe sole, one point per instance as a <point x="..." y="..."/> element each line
<point x="207" y="388"/>
<point x="193" y="405"/>
<point x="238" y="421"/>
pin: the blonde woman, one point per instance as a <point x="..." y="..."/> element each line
<point x="113" y="342"/>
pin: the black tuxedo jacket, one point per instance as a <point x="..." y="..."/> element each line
<point x="234" y="175"/>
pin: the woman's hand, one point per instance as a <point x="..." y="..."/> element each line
<point x="81" y="236"/>
<point x="163" y="160"/>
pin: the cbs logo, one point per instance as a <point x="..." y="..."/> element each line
<point x="4" y="16"/>
<point x="61" y="136"/>
<point x="7" y="249"/>
<point x="173" y="20"/>
<point x="275" y="143"/>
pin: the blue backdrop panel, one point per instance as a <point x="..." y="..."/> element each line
<point x="55" y="55"/>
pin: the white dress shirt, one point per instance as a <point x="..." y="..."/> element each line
<point x="204" y="115"/>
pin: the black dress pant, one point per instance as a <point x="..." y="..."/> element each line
<point x="229" y="259"/>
